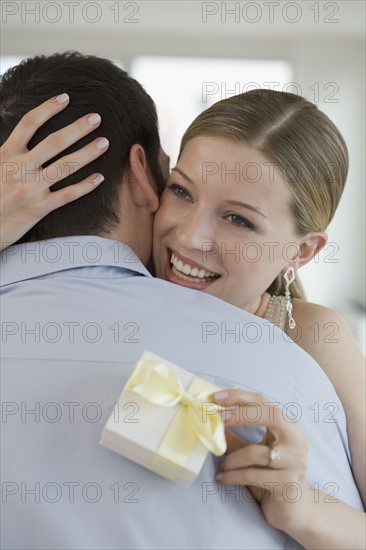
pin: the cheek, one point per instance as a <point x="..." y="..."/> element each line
<point x="160" y="222"/>
<point x="163" y="223"/>
<point x="256" y="261"/>
<point x="166" y="216"/>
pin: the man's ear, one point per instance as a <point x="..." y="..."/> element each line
<point x="311" y="245"/>
<point x="137" y="180"/>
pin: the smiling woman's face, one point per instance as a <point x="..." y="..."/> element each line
<point x="224" y="225"/>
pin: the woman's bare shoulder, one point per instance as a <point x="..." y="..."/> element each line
<point x="316" y="323"/>
<point x="325" y="335"/>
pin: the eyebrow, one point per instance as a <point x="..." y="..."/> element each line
<point x="248" y="206"/>
<point x="233" y="203"/>
<point x="184" y="176"/>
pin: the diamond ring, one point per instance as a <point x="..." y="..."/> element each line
<point x="273" y="456"/>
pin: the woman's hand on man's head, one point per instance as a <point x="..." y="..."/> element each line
<point x="25" y="185"/>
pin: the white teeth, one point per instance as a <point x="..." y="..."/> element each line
<point x="187" y="269"/>
<point x="187" y="278"/>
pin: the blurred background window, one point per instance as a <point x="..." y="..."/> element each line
<point x="8" y="61"/>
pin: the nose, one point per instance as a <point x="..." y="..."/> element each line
<point x="195" y="230"/>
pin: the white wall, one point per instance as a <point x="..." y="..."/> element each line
<point x="341" y="61"/>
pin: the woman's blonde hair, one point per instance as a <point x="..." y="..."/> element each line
<point x="301" y="141"/>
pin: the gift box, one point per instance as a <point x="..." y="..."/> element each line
<point x="165" y="421"/>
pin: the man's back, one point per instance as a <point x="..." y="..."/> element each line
<point x="77" y="314"/>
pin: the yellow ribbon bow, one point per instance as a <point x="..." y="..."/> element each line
<point x="198" y="417"/>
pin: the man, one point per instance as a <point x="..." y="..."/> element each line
<point x="79" y="307"/>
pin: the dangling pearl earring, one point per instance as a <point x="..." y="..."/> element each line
<point x="289" y="277"/>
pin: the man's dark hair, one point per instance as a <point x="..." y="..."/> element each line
<point x="94" y="85"/>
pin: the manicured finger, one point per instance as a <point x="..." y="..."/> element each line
<point x="253" y="409"/>
<point x="234" y="443"/>
<point x="72" y="192"/>
<point x="257" y="477"/>
<point x="69" y="164"/>
<point x="58" y="141"/>
<point x="252" y="413"/>
<point x="273" y="420"/>
<point x="249" y="408"/>
<point x="251" y="455"/>
<point x="31" y="121"/>
<point x="232" y="396"/>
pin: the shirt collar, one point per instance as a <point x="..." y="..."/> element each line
<point x="29" y="260"/>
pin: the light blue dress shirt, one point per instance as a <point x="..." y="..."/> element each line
<point x="77" y="313"/>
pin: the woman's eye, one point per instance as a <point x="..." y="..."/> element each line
<point x="179" y="191"/>
<point x="240" y="221"/>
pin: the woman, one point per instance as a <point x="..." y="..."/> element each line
<point x="246" y="206"/>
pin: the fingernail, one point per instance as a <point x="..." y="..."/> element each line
<point x="102" y="143"/>
<point x="62" y="98"/>
<point x="219" y="477"/>
<point x="97" y="179"/>
<point x="94" y="119"/>
<point x="221" y="395"/>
